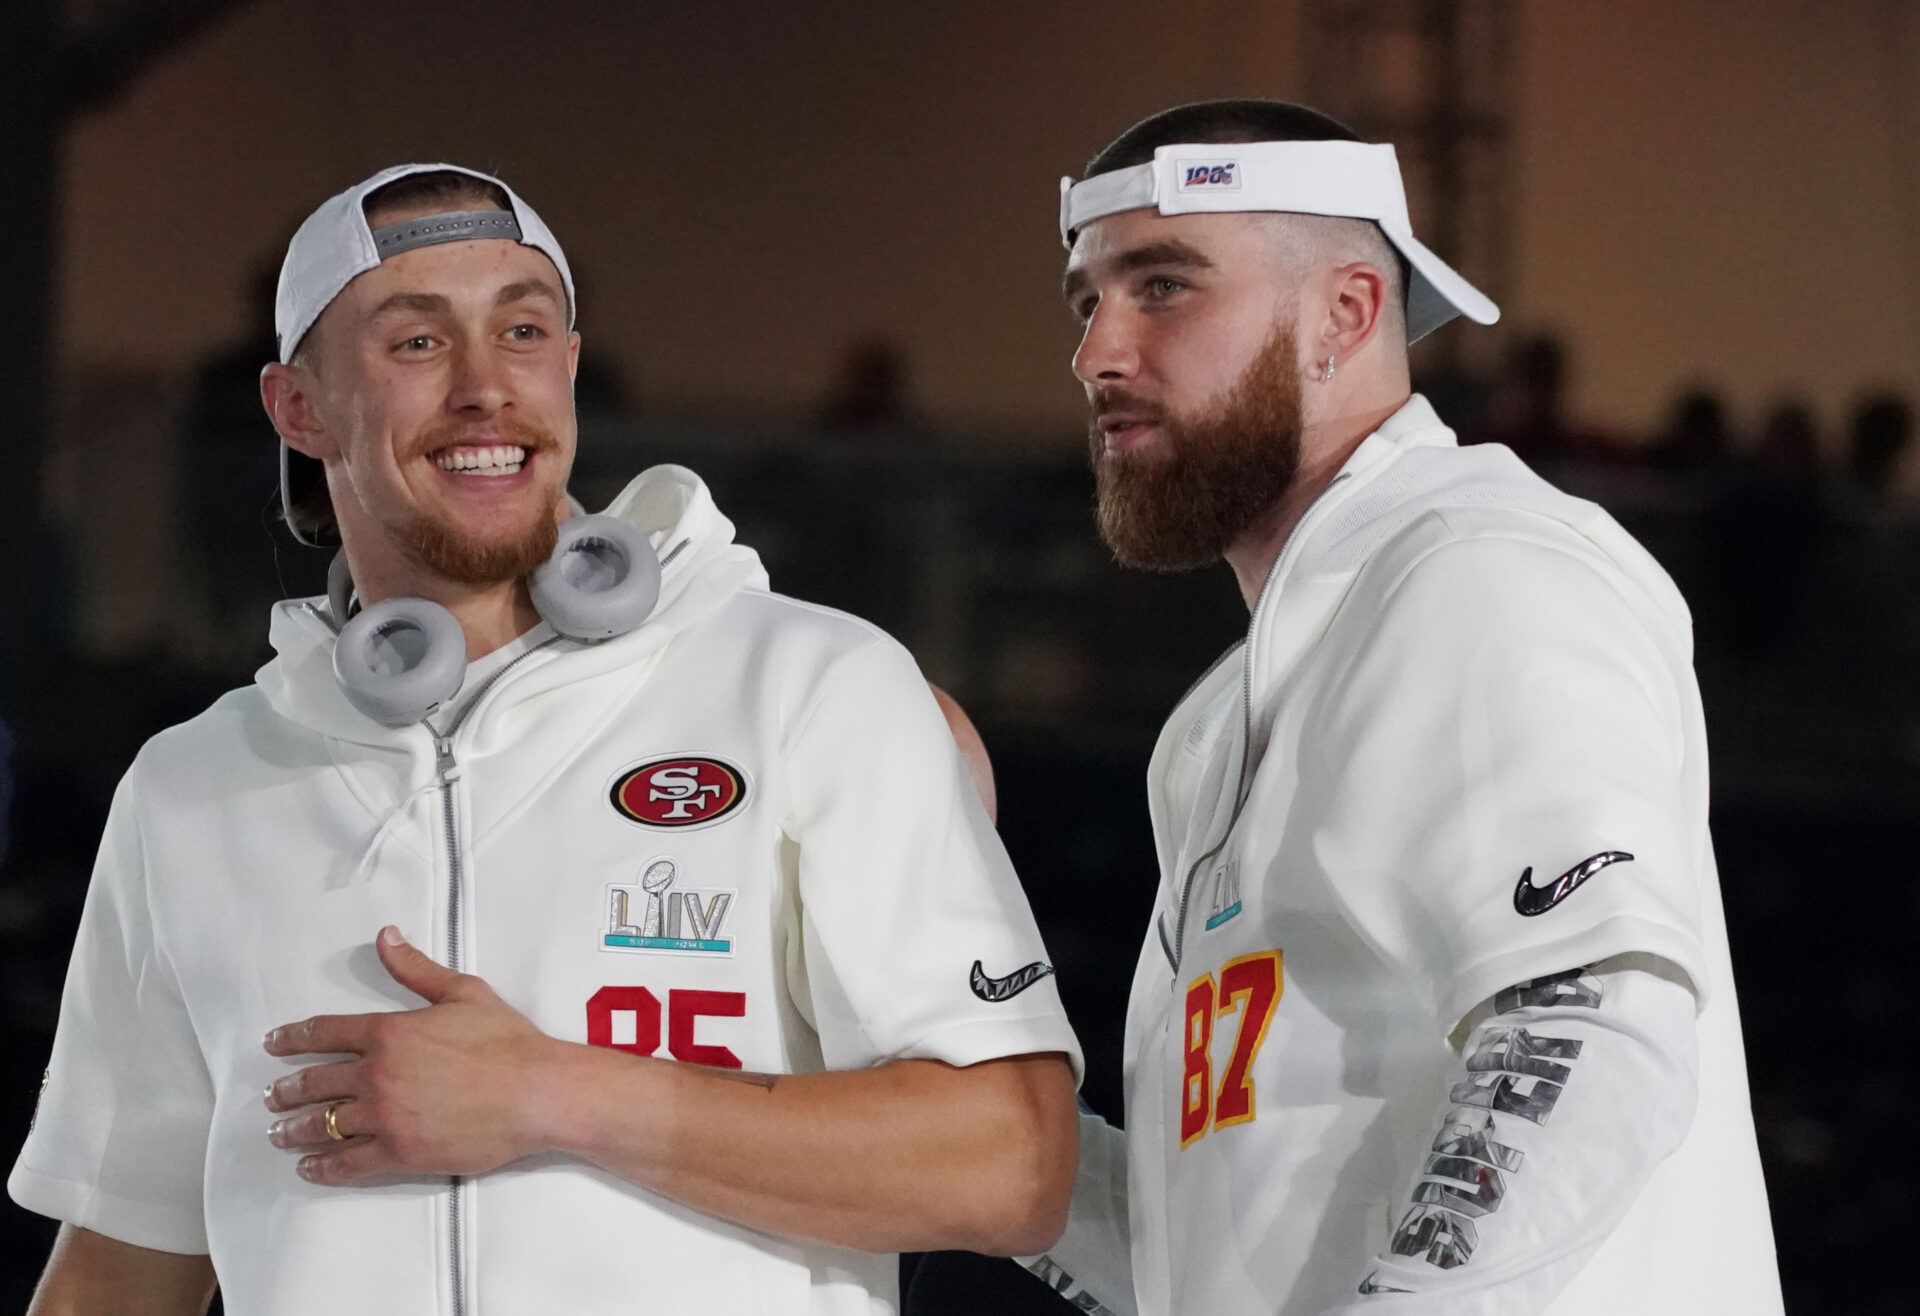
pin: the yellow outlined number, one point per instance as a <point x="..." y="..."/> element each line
<point x="1249" y="984"/>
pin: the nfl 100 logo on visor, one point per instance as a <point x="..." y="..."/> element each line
<point x="653" y="916"/>
<point x="687" y="790"/>
<point x="1210" y="175"/>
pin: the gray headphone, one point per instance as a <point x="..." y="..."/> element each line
<point x="400" y="659"/>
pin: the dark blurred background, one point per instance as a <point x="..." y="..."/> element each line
<point x="818" y="263"/>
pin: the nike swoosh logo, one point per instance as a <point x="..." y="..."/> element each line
<point x="1005" y="989"/>
<point x="1531" y="900"/>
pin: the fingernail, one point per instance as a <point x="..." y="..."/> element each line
<point x="391" y="936"/>
<point x="306" y="1168"/>
<point x="274" y="1130"/>
<point x="273" y="1036"/>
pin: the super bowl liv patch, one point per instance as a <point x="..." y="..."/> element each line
<point x="1226" y="894"/>
<point x="654" y="917"/>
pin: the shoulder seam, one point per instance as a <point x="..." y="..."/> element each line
<point x="1478" y="537"/>
<point x="156" y="945"/>
<point x="819" y="610"/>
<point x="835" y="672"/>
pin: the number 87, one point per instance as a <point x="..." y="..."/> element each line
<point x="1250" y="981"/>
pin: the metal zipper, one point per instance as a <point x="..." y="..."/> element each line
<point x="1241" y="793"/>
<point x="1172" y="950"/>
<point x="456" y="1258"/>
<point x="1240" y="782"/>
<point x="447" y="767"/>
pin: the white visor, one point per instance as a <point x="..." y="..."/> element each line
<point x="1349" y="180"/>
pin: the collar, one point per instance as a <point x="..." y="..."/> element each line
<point x="1414" y="425"/>
<point x="1288" y="616"/>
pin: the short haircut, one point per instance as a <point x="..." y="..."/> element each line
<point x="309" y="507"/>
<point x="1248" y="120"/>
<point x="442" y="189"/>
<point x="1221" y="122"/>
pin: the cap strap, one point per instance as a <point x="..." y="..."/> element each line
<point x="453" y="226"/>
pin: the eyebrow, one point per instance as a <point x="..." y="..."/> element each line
<point x="526" y="288"/>
<point x="432" y="303"/>
<point x="1170" y="254"/>
<point x="425" y="302"/>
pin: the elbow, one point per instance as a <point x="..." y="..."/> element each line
<point x="1026" y="1211"/>
<point x="1033" y="1222"/>
<point x="1026" y="1214"/>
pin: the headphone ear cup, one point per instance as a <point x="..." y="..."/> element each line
<point x="601" y="581"/>
<point x="400" y="659"/>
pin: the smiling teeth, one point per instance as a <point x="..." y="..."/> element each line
<point x="500" y="459"/>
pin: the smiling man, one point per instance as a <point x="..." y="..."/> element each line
<point x="733" y="992"/>
<point x="1435" y="1014"/>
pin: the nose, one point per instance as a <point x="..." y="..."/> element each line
<point x="479" y="384"/>
<point x="1108" y="352"/>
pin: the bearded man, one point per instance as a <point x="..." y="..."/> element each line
<point x="736" y="993"/>
<point x="1436" y="1013"/>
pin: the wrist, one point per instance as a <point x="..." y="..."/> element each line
<point x="556" y="1084"/>
<point x="584" y="1100"/>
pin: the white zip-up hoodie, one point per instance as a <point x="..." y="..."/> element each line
<point x="1454" y="675"/>
<point x="738" y="835"/>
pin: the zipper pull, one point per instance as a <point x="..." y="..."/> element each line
<point x="444" y="762"/>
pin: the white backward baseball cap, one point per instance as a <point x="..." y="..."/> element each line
<point x="1348" y="180"/>
<point x="336" y="245"/>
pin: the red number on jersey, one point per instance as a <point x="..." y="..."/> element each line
<point x="628" y="1019"/>
<point x="1251" y="985"/>
<point x="1252" y="981"/>
<point x="683" y="1008"/>
<point x="611" y="1006"/>
<point x="1196" y="1075"/>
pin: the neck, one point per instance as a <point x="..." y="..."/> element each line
<point x="489" y="615"/>
<point x="1325" y="445"/>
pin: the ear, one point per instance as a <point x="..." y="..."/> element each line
<point x="289" y="394"/>
<point x="573" y="356"/>
<point x="1356" y="307"/>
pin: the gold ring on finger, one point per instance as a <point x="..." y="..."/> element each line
<point x="333" y="1122"/>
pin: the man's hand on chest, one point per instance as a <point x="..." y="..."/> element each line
<point x="445" y="1089"/>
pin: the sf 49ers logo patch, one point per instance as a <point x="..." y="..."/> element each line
<point x="679" y="792"/>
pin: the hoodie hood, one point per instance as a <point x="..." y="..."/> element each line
<point x="701" y="569"/>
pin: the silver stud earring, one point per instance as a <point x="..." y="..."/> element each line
<point x="1326" y="376"/>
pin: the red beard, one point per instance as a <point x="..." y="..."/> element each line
<point x="1208" y="479"/>
<point x="454" y="553"/>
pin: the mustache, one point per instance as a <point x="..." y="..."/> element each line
<point x="509" y="430"/>
<point x="1112" y="397"/>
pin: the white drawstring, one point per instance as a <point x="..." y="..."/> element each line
<point x="394" y="816"/>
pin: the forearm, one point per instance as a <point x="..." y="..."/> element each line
<point x="912" y="1155"/>
<point x="89" y="1274"/>
<point x="1571" y="1093"/>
